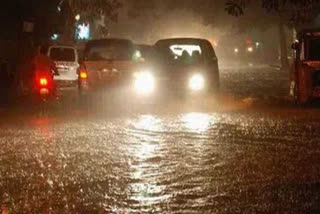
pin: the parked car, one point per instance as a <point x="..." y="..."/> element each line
<point x="66" y="59"/>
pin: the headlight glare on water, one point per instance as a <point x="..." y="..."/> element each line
<point x="196" y="82"/>
<point x="144" y="82"/>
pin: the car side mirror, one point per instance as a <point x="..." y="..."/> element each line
<point x="295" y="46"/>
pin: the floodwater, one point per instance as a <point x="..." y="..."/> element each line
<point x="251" y="151"/>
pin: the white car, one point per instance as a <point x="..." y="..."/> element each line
<point x="66" y="60"/>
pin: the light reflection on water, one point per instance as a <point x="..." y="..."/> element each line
<point x="145" y="189"/>
<point x="147" y="122"/>
<point x="189" y="162"/>
<point x="198" y="122"/>
<point x="149" y="140"/>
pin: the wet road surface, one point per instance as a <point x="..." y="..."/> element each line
<point x="249" y="152"/>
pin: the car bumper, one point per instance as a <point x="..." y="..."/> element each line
<point x="66" y="83"/>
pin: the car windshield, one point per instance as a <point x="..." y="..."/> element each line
<point x="110" y="51"/>
<point x="314" y="49"/>
<point x="180" y="53"/>
<point x="63" y="54"/>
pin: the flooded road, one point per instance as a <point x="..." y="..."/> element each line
<point x="250" y="155"/>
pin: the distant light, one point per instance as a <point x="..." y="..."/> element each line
<point x="77" y="17"/>
<point x="236" y="50"/>
<point x="54" y="37"/>
<point x="257" y="44"/>
<point x="250" y="49"/>
<point x="83" y="31"/>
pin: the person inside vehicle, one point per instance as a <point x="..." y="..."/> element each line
<point x="196" y="57"/>
<point x="185" y="57"/>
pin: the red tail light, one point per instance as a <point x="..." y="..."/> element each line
<point x="43" y="82"/>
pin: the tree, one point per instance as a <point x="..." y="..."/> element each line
<point x="153" y="16"/>
<point x="92" y="11"/>
<point x="284" y="13"/>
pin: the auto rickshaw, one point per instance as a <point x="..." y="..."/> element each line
<point x="305" y="73"/>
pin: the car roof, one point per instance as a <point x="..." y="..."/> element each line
<point x="62" y="46"/>
<point x="181" y="40"/>
<point x="144" y="45"/>
<point x="106" y="41"/>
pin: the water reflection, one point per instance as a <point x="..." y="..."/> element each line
<point x="146" y="162"/>
<point x="198" y="122"/>
<point x="147" y="122"/>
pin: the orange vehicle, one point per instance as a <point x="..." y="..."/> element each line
<point x="305" y="75"/>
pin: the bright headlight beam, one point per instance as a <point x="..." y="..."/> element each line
<point x="144" y="82"/>
<point x="196" y="82"/>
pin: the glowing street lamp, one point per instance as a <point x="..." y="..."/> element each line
<point x="77" y="17"/>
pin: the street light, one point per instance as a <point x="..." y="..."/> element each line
<point x="77" y="17"/>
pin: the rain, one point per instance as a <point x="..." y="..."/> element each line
<point x="159" y="107"/>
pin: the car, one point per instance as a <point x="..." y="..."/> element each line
<point x="146" y="51"/>
<point x="66" y="59"/>
<point x="181" y="66"/>
<point x="107" y="64"/>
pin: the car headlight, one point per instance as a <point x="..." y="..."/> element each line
<point x="196" y="82"/>
<point x="144" y="82"/>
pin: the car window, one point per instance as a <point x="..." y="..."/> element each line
<point x="110" y="51"/>
<point x="181" y="53"/>
<point x="210" y="50"/>
<point x="314" y="49"/>
<point x="62" y="54"/>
